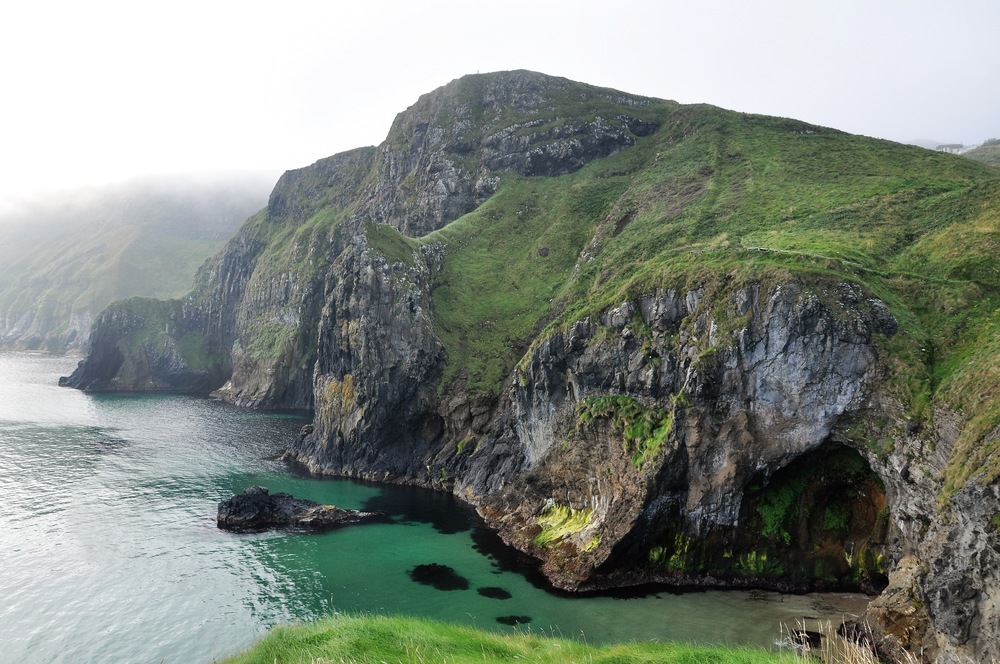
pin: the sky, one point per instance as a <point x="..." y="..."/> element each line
<point x="105" y="90"/>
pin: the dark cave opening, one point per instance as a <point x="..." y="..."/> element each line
<point x="821" y="520"/>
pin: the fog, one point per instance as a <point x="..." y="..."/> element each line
<point x="106" y="90"/>
<point x="110" y="204"/>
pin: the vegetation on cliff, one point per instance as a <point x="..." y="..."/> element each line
<point x="987" y="153"/>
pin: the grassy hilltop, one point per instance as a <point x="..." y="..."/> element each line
<point x="716" y="198"/>
<point x="400" y="639"/>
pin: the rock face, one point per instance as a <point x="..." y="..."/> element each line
<point x="257" y="509"/>
<point x="260" y="302"/>
<point x="739" y="418"/>
<point x="727" y="409"/>
<point x="165" y="357"/>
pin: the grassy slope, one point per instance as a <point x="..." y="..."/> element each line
<point x="400" y="639"/>
<point x="717" y="198"/>
<point x="987" y="154"/>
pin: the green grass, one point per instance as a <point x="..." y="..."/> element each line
<point x="987" y="153"/>
<point x="395" y="247"/>
<point x="506" y="263"/>
<point x="375" y="639"/>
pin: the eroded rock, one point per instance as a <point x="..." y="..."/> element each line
<point x="256" y="509"/>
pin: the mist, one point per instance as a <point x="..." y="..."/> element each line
<point x="109" y="90"/>
<point x="66" y="255"/>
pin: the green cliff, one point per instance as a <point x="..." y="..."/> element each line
<point x="650" y="342"/>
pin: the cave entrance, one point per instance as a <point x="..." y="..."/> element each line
<point x="821" y="521"/>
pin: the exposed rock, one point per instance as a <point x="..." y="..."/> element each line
<point x="156" y="361"/>
<point x="261" y="309"/>
<point x="807" y="638"/>
<point x="740" y="407"/>
<point x="257" y="509"/>
<point x="896" y="621"/>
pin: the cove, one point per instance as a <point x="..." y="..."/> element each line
<point x="110" y="551"/>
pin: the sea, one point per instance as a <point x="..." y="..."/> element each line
<point x="109" y="550"/>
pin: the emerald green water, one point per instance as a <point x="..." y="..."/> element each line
<point x="109" y="550"/>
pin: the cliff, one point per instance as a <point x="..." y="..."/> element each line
<point x="650" y="342"/>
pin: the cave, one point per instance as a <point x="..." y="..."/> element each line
<point x="820" y="522"/>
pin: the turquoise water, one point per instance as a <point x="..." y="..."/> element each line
<point x="109" y="550"/>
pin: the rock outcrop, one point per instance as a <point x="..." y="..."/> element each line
<point x="665" y="402"/>
<point x="727" y="409"/>
<point x="256" y="509"/>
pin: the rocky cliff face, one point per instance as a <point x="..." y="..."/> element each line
<point x="942" y="597"/>
<point x="728" y="402"/>
<point x="712" y="416"/>
<point x="262" y="298"/>
<point x="41" y="330"/>
<point x="374" y="381"/>
<point x="444" y="155"/>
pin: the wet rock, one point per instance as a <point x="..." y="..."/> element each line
<point x="896" y="622"/>
<point x="256" y="509"/>
<point x="807" y="638"/>
<point x="513" y="620"/>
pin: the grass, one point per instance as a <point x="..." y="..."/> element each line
<point x="506" y="263"/>
<point x="987" y="153"/>
<point x="363" y="639"/>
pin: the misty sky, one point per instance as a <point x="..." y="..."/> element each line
<point x="102" y="90"/>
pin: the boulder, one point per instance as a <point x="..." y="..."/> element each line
<point x="256" y="509"/>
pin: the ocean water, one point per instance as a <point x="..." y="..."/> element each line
<point x="109" y="550"/>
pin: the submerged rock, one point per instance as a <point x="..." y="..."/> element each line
<point x="494" y="592"/>
<point x="440" y="576"/>
<point x="257" y="509"/>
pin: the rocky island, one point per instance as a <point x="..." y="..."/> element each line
<point x="650" y="342"/>
<point x="255" y="509"/>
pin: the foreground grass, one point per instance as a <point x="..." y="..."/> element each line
<point x="401" y="639"/>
